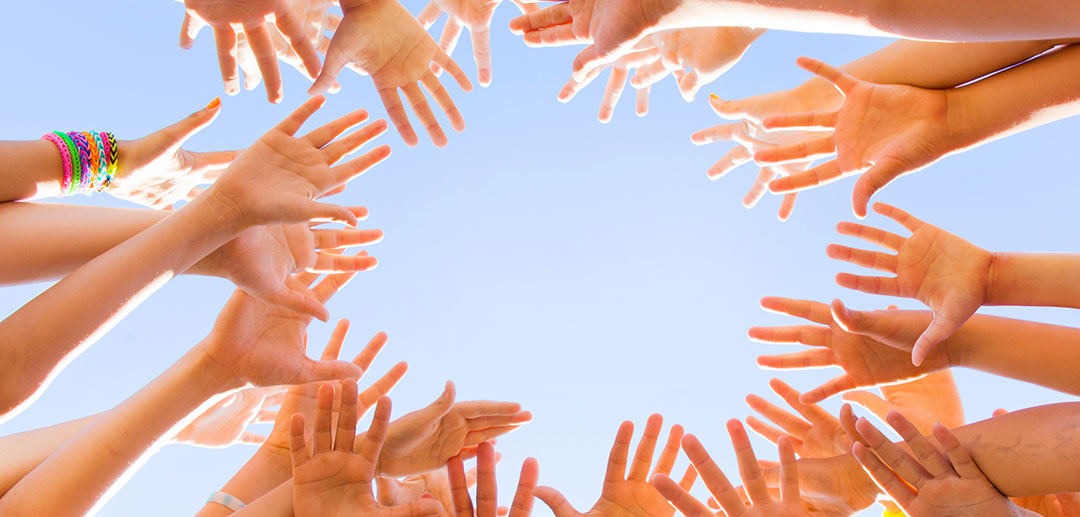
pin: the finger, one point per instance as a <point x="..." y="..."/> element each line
<point x="481" y="408"/>
<point x="713" y="477"/>
<point x="266" y="57"/>
<point x="639" y="468"/>
<point x="346" y="428"/>
<point x="670" y="452"/>
<point x="337" y="338"/>
<point x="869" y="401"/>
<point x="811" y="412"/>
<point x="338" y="239"/>
<point x="295" y="297"/>
<point x="429" y="15"/>
<point x="883" y="476"/>
<point x="802" y="360"/>
<point x="789" y="472"/>
<point x="722" y="132"/>
<point x="526" y="7"/>
<point x="292" y="123"/>
<point x="589" y="58"/>
<point x="481" y="44"/>
<point x="490" y="433"/>
<point x="558" y="14"/>
<point x="189" y="29"/>
<point x="831" y="387"/>
<point x="814" y="121"/>
<point x="612" y="93"/>
<point x="929" y="456"/>
<point x="840" y="79"/>
<point x="868" y="259"/>
<point x="523" y="496"/>
<point x="381" y="388"/>
<point x="349" y="170"/>
<point x="689" y="477"/>
<point x="343" y="147"/>
<point x="690" y="84"/>
<point x="324" y="438"/>
<point x="759" y="187"/>
<point x="459" y="487"/>
<point x="748" y="467"/>
<point x="883" y="172"/>
<point x="329" y="286"/>
<point x="806" y="309"/>
<point x="486" y="422"/>
<point x="486" y="491"/>
<point x="896" y="458"/>
<point x="734" y="158"/>
<point x="293" y="31"/>
<point x="652" y="73"/>
<point x="443" y="100"/>
<point x="251" y="438"/>
<point x="376" y="435"/>
<point x="811" y="335"/>
<point x="823" y="174"/>
<point x="335" y="61"/>
<point x="450" y="35"/>
<point x="680" y="498"/>
<point x="887" y="286"/>
<point x="555" y="500"/>
<point x="791" y="424"/>
<point x="370" y="351"/>
<point x="324" y="134"/>
<point x="616" y="466"/>
<point x="297" y="447"/>
<point x="423" y="112"/>
<point x="641" y="106"/>
<point x="803" y="151"/>
<point x="870" y="234"/>
<point x="332" y="263"/>
<point x="908" y="221"/>
<point x="787" y="205"/>
<point x="225" y="39"/>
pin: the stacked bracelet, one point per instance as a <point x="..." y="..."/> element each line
<point x="89" y="160"/>
<point x="227" y="501"/>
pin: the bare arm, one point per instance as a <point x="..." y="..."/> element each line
<point x="23" y="452"/>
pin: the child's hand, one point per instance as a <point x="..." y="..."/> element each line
<point x="926" y="401"/>
<point x="867" y="362"/>
<point x="156" y="172"/>
<point x="278" y="178"/>
<point x="472" y="14"/>
<point x="384" y="41"/>
<point x="885" y="130"/>
<point x="226" y="422"/>
<point x="815" y="433"/>
<point x="484" y="478"/>
<point x="929" y="483"/>
<point x="947" y="273"/>
<point x="708" y="52"/>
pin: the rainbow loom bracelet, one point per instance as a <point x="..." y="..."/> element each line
<point x="83" y="146"/>
<point x="111" y="142"/>
<point x="103" y="156"/>
<point x="65" y="157"/>
<point x="95" y="156"/>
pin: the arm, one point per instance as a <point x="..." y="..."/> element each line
<point x="1040" y="279"/>
<point x="23" y="452"/>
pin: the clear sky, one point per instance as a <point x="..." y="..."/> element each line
<point x="590" y="272"/>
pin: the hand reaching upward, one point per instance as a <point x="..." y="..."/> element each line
<point x="947" y="273"/>
<point x="474" y="15"/>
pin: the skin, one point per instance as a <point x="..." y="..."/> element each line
<point x="629" y="493"/>
<point x="330" y="478"/>
<point x="474" y="15"/>
<point x="383" y="40"/>
<point x="707" y="52"/>
<point x="761" y="502"/>
<point x="154" y="170"/>
<point x="486" y="504"/>
<point x="272" y="182"/>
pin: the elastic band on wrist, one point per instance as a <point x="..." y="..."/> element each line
<point x="65" y="157"/>
<point x="226" y="500"/>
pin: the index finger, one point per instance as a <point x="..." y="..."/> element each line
<point x="551" y="16"/>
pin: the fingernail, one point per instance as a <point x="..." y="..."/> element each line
<point x="714" y="96"/>
<point x="214" y="103"/>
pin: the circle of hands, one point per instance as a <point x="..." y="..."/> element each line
<point x="416" y="461"/>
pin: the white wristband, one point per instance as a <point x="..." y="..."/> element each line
<point x="226" y="500"/>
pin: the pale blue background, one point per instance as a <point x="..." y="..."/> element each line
<point x="590" y="272"/>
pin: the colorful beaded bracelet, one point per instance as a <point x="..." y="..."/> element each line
<point x="89" y="160"/>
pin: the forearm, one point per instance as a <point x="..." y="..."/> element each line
<point x="80" y="475"/>
<point x="1038" y="353"/>
<point x="276" y="503"/>
<point x="30" y="170"/>
<point x="1034" y="279"/>
<point x="56" y="239"/>
<point x="23" y="452"/>
<point x="265" y="471"/>
<point x="84" y="305"/>
<point x="1040" y="91"/>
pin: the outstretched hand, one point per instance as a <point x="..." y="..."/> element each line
<point x="252" y="15"/>
<point x="474" y="15"/>
<point x="814" y="433"/>
<point x="226" y="422"/>
<point x="929" y="483"/>
<point x="383" y="40"/>
<point x="885" y="130"/>
<point x="333" y="479"/>
<point x="696" y="56"/>
<point x="866" y="361"/>
<point x="761" y="504"/>
<point x="486" y="490"/>
<point x="630" y="494"/>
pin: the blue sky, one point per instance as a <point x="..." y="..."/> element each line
<point x="590" y="272"/>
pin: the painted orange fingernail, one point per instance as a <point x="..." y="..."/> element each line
<point x="214" y="103"/>
<point x="714" y="96"/>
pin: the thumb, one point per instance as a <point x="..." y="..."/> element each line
<point x="315" y="371"/>
<point x="689" y="84"/>
<point x="869" y="401"/>
<point x="555" y="500"/>
<point x="444" y="403"/>
<point x="731" y="110"/>
<point x="1000" y="411"/>
<point x="873" y="180"/>
<point x="938" y="331"/>
<point x="335" y="61"/>
<point x="175" y="135"/>
<point x="189" y="29"/>
<point x="849" y="320"/>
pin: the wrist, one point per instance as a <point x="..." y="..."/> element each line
<point x="962" y="120"/>
<point x="351" y="5"/>
<point x="221" y="211"/>
<point x="211" y="375"/>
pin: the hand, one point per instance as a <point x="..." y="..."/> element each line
<point x="333" y="480"/>
<point x="426" y="439"/>
<point x="303" y="398"/>
<point x="262" y="260"/>
<point x="613" y="27"/>
<point x="387" y="43"/>
<point x="762" y="503"/>
<point x="708" y="52"/>
<point x="866" y="361"/>
<point x="630" y="494"/>
<point x="256" y="344"/>
<point x="155" y="171"/>
<point x="747" y="132"/>
<point x="885" y="130"/>
<point x="945" y="272"/>
<point x="931" y="483"/>
<point x="226" y="422"/>
<point x="615" y="85"/>
<point x="817" y="434"/>
<point x="486" y="496"/>
<point x="277" y="179"/>
<point x="472" y="14"/>
<point x="317" y="20"/>
<point x="434" y="483"/>
<point x="252" y="15"/>
<point x="926" y="401"/>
